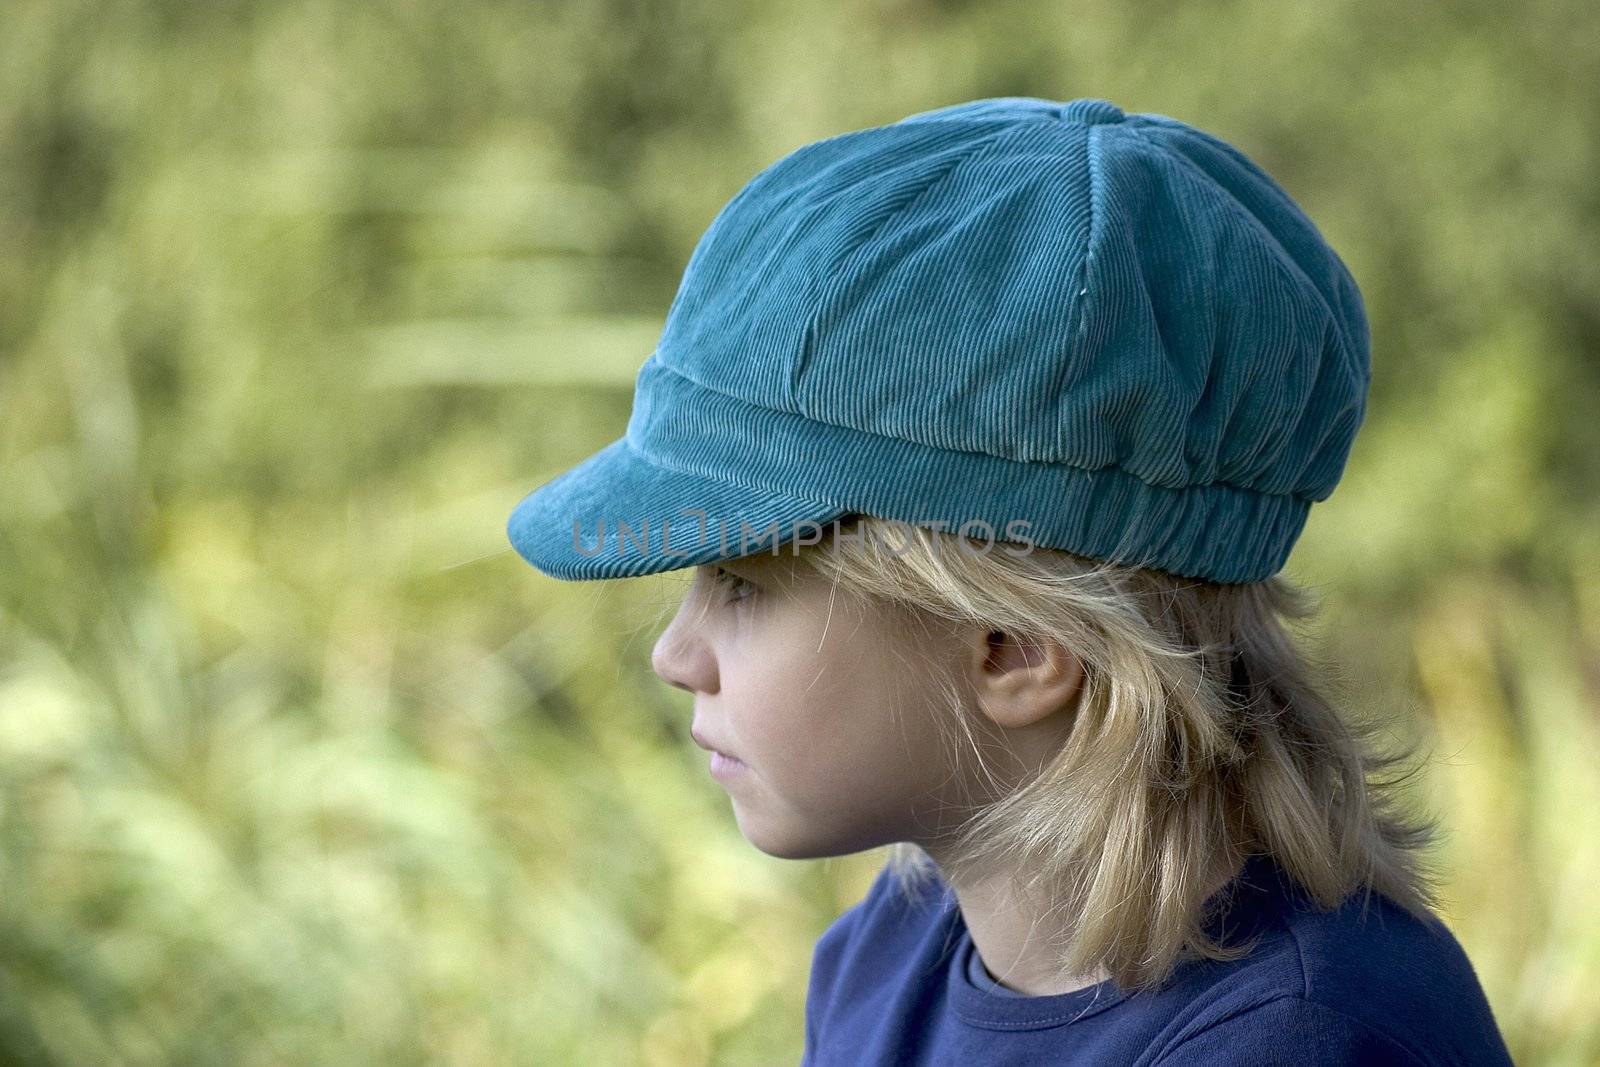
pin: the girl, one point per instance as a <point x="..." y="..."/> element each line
<point x="985" y="434"/>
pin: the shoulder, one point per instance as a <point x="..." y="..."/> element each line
<point x="1288" y="1027"/>
<point x="1366" y="982"/>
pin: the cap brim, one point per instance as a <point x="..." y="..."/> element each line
<point x="618" y="515"/>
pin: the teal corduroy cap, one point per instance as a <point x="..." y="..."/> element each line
<point x="1113" y="332"/>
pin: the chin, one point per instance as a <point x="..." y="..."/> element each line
<point x="804" y="843"/>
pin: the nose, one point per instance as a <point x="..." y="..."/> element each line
<point x="682" y="659"/>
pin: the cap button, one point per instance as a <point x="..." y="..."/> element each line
<point x="1090" y="112"/>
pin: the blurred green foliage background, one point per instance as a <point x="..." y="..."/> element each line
<point x="300" y="764"/>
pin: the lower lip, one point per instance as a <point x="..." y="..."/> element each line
<point x="725" y="768"/>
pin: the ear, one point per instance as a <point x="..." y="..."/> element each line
<point x="1018" y="682"/>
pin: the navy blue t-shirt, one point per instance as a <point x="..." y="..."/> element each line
<point x="897" y="982"/>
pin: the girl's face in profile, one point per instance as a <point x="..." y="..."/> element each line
<point x="821" y="701"/>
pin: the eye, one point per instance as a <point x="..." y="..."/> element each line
<point x="735" y="587"/>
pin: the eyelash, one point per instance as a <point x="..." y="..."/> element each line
<point x="731" y="583"/>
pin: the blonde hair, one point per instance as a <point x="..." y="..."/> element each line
<point x="1200" y="738"/>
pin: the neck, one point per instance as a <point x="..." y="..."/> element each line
<point x="1013" y="936"/>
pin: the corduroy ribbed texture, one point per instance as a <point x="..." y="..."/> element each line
<point x="1113" y="329"/>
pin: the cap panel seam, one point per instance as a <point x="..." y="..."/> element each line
<point x="829" y="289"/>
<point x="1092" y="244"/>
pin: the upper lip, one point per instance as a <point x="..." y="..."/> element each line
<point x="701" y="740"/>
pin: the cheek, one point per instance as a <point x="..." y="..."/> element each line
<point x="843" y="731"/>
